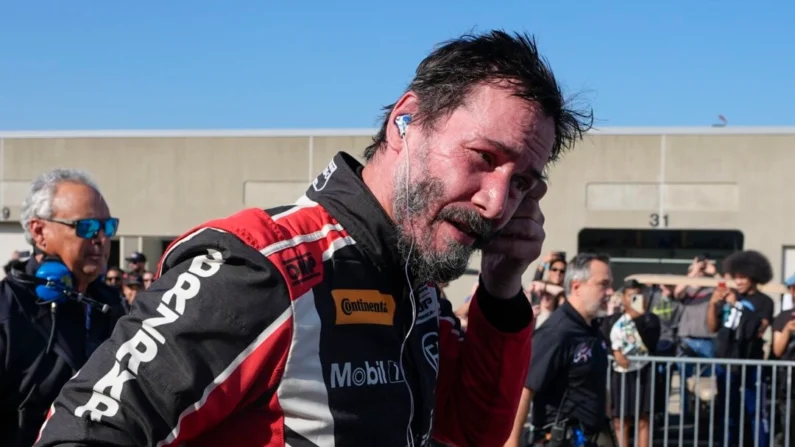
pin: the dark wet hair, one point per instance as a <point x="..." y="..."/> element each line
<point x="446" y="77"/>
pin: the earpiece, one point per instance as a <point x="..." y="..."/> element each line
<point x="402" y="122"/>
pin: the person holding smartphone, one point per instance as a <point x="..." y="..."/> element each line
<point x="784" y="335"/>
<point x="695" y="339"/>
<point x="784" y="329"/>
<point x="554" y="265"/>
<point x="739" y="317"/>
<point x="634" y="332"/>
<point x="783" y="348"/>
<point x="549" y="295"/>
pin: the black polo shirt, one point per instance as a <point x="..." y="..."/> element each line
<point x="569" y="357"/>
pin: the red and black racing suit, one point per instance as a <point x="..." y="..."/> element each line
<point x="286" y="328"/>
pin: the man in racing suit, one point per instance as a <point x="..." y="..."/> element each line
<point x="316" y="324"/>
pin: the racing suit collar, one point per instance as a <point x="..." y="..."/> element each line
<point x="341" y="190"/>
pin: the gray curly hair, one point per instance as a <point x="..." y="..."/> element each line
<point x="38" y="202"/>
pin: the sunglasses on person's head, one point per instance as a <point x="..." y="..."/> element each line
<point x="90" y="228"/>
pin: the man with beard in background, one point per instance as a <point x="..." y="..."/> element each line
<point x="319" y="323"/>
<point x="567" y="381"/>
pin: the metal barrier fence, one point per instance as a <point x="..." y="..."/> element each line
<point x="685" y="401"/>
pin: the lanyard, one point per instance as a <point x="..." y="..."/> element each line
<point x="88" y="346"/>
<point x="88" y="319"/>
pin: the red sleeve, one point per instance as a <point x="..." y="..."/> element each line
<point x="480" y="378"/>
<point x="191" y="352"/>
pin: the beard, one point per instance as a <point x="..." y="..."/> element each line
<point x="412" y="205"/>
<point x="598" y="309"/>
<point x="600" y="313"/>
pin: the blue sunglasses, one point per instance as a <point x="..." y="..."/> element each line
<point x="89" y="228"/>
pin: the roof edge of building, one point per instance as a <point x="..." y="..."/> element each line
<point x="365" y="132"/>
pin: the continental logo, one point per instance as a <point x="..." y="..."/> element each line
<point x="363" y="307"/>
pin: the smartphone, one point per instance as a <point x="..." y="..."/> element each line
<point x="24" y="254"/>
<point x="637" y="303"/>
<point x="561" y="255"/>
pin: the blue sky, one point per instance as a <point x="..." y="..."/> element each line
<point x="309" y="64"/>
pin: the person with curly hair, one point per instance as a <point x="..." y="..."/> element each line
<point x="748" y="269"/>
<point x="739" y="317"/>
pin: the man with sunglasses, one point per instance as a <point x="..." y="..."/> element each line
<point x="43" y="344"/>
<point x="114" y="277"/>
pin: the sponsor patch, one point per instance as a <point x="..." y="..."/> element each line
<point x="428" y="304"/>
<point x="363" y="307"/>
<point x="369" y="373"/>
<point x="320" y="182"/>
<point x="430" y="348"/>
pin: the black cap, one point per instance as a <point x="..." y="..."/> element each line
<point x="136" y="256"/>
<point x="133" y="280"/>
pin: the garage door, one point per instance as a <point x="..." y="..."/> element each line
<point x="11" y="238"/>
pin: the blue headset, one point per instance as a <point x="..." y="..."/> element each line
<point x="59" y="280"/>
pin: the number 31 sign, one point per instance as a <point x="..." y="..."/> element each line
<point x="657" y="220"/>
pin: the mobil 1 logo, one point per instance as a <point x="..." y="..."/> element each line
<point x="363" y="374"/>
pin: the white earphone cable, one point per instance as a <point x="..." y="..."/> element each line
<point x="409" y="434"/>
